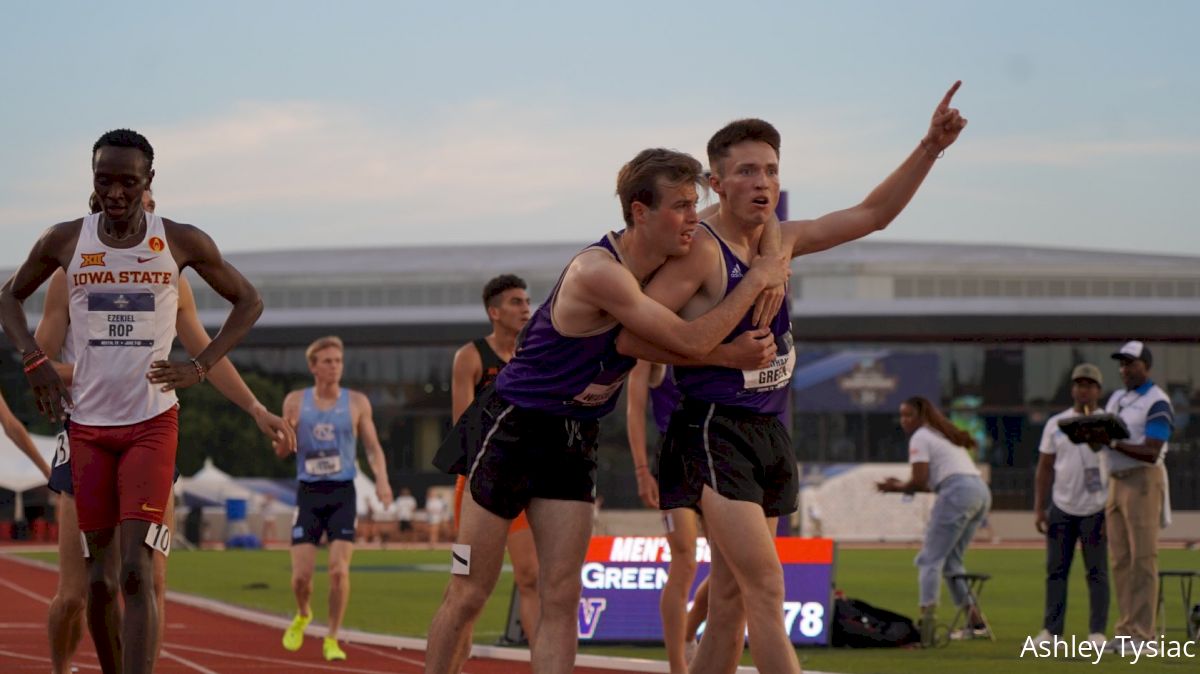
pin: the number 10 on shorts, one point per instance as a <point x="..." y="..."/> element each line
<point x="159" y="538"/>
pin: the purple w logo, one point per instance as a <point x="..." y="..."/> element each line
<point x="590" y="609"/>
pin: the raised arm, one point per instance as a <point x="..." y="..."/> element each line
<point x="890" y="197"/>
<point x="370" y="440"/>
<point x="637" y="391"/>
<point x="224" y="376"/>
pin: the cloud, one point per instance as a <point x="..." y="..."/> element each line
<point x="273" y="174"/>
<point x="1038" y="151"/>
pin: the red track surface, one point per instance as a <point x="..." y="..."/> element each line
<point x="196" y="640"/>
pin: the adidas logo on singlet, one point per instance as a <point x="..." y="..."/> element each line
<point x="737" y="271"/>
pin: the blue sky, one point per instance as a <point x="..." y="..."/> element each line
<point x="305" y="124"/>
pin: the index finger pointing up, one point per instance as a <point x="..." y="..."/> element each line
<point x="949" y="95"/>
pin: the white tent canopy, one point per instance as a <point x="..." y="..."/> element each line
<point x="17" y="472"/>
<point x="213" y="484"/>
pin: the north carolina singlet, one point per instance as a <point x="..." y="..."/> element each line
<point x="572" y="376"/>
<point x="325" y="440"/>
<point x="123" y="307"/>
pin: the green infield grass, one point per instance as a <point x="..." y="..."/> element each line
<point x="397" y="592"/>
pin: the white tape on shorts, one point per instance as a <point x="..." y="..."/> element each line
<point x="460" y="559"/>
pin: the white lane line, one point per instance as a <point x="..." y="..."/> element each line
<point x="185" y="662"/>
<point x="276" y="661"/>
<point x="20" y="590"/>
<point x="385" y="654"/>
<point x="37" y="658"/>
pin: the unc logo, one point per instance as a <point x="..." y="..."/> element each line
<point x="323" y="432"/>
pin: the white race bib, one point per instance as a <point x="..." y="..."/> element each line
<point x="121" y="319"/>
<point x="773" y="376"/>
<point x="323" y="462"/>
<point x="62" y="453"/>
<point x="159" y="538"/>
<point x="599" y="392"/>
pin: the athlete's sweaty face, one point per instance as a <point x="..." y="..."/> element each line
<point x="511" y="309"/>
<point x="748" y="182"/>
<point x="672" y="224"/>
<point x="326" y="365"/>
<point x="120" y="175"/>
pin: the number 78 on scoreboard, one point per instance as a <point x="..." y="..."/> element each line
<point x="623" y="577"/>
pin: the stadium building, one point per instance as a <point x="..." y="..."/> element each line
<point x="989" y="332"/>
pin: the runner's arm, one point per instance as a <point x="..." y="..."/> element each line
<point x="291" y="415"/>
<point x="16" y="432"/>
<point x="370" y="439"/>
<point x="890" y="197"/>
<point x="50" y="393"/>
<point x="51" y="331"/>
<point x="673" y="285"/>
<point x="637" y="389"/>
<point x="225" y="377"/>
<point x="200" y="253"/>
<point x="467" y="371"/>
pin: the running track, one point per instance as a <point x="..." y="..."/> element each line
<point x="206" y="637"/>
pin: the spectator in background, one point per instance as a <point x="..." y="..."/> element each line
<point x="435" y="508"/>
<point x="1138" y="503"/>
<point x="406" y="508"/>
<point x="942" y="462"/>
<point x="1075" y="513"/>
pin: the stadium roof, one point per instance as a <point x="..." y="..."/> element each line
<point x="866" y="290"/>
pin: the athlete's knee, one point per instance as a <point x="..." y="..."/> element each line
<point x="68" y="605"/>
<point x="102" y="588"/>
<point x="339" y="575"/>
<point x="526" y="577"/>
<point x="683" y="567"/>
<point x="466" y="598"/>
<point x="134" y="576"/>
<point x="301" y="581"/>
<point x="560" y="596"/>
<point x="763" y="589"/>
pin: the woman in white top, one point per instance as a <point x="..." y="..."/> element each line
<point x="940" y="454"/>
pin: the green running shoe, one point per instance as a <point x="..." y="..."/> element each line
<point x="293" y="636"/>
<point x="332" y="650"/>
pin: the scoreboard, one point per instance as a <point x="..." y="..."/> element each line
<point x="623" y="577"/>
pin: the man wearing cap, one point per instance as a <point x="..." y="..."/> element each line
<point x="1075" y="513"/>
<point x="1137" y="496"/>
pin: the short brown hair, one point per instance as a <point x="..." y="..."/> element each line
<point x="638" y="180"/>
<point x="497" y="286"/>
<point x="739" y="131"/>
<point x="320" y="345"/>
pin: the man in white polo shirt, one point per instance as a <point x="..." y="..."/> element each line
<point x="1076" y="511"/>
<point x="1137" y="496"/>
